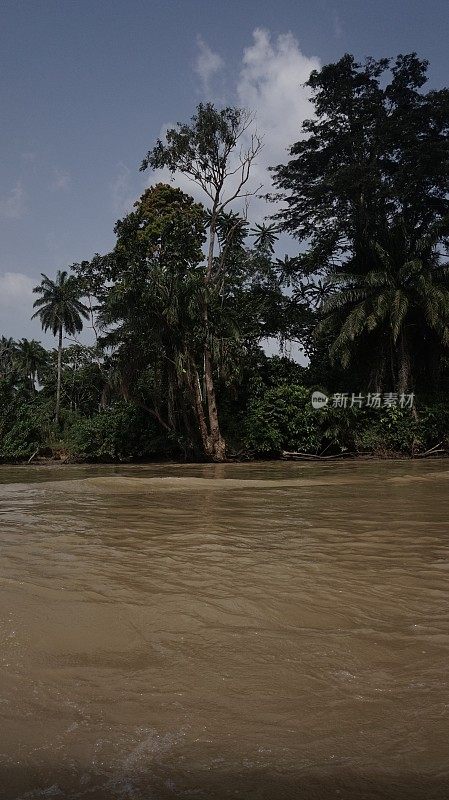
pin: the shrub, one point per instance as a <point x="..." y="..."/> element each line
<point x="283" y="419"/>
<point x="24" y="429"/>
<point x="391" y="429"/>
<point x="434" y="423"/>
<point x="121" y="432"/>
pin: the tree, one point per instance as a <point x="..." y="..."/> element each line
<point x="151" y="308"/>
<point x="216" y="152"/>
<point x="7" y="353"/>
<point x="368" y="190"/>
<point x="151" y="313"/>
<point x="60" y="309"/>
<point x="31" y="360"/>
<point x="402" y="303"/>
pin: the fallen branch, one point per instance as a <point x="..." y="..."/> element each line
<point x="32" y="456"/>
<point x="310" y="457"/>
<point x="432" y="451"/>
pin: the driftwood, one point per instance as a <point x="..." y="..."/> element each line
<point x="33" y="455"/>
<point x="310" y="457"/>
<point x="298" y="456"/>
<point x="432" y="451"/>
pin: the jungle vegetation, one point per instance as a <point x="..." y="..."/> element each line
<point x="181" y="309"/>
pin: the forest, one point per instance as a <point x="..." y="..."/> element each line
<point x="182" y="308"/>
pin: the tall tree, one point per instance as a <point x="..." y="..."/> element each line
<point x="7" y="354"/>
<point x="150" y="292"/>
<point x="60" y="310"/>
<point x="215" y="151"/>
<point x="31" y="360"/>
<point x="150" y="314"/>
<point x="401" y="306"/>
<point x="367" y="190"/>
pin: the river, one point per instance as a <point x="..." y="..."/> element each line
<point x="256" y="632"/>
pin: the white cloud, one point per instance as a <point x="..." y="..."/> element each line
<point x="207" y="65"/>
<point x="15" y="289"/>
<point x="60" y="181"/>
<point x="13" y="205"/>
<point x="16" y="308"/>
<point x="270" y="84"/>
<point x="122" y="190"/>
<point x="338" y="26"/>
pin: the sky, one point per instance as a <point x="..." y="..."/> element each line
<point x="87" y="86"/>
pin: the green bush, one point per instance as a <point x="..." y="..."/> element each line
<point x="24" y="429"/>
<point x="283" y="419"/>
<point x="434" y="423"/>
<point x="388" y="430"/>
<point x="121" y="432"/>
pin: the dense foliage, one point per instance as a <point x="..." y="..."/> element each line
<point x="182" y="307"/>
<point x="367" y="189"/>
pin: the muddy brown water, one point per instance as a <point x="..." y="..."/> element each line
<point x="258" y="632"/>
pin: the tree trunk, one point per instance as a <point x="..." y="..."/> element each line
<point x="58" y="385"/>
<point x="404" y="371"/>
<point x="199" y="413"/>
<point x="216" y="445"/>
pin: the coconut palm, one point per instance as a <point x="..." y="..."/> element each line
<point x="7" y="352"/>
<point x="30" y="359"/>
<point x="60" y="310"/>
<point x="402" y="296"/>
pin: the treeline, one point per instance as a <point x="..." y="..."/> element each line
<point x="182" y="306"/>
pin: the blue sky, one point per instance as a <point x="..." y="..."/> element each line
<point x="87" y="85"/>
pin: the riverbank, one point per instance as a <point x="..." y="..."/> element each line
<point x="47" y="463"/>
<point x="382" y="455"/>
<point x="277" y="423"/>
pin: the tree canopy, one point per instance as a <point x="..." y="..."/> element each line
<point x="367" y="190"/>
<point x="187" y="305"/>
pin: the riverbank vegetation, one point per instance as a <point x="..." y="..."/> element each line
<point x="182" y="308"/>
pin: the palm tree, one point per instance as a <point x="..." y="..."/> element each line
<point x="60" y="309"/>
<point x="7" y="351"/>
<point x="265" y="236"/>
<point x="315" y="292"/>
<point x="402" y="296"/>
<point x="31" y="359"/>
